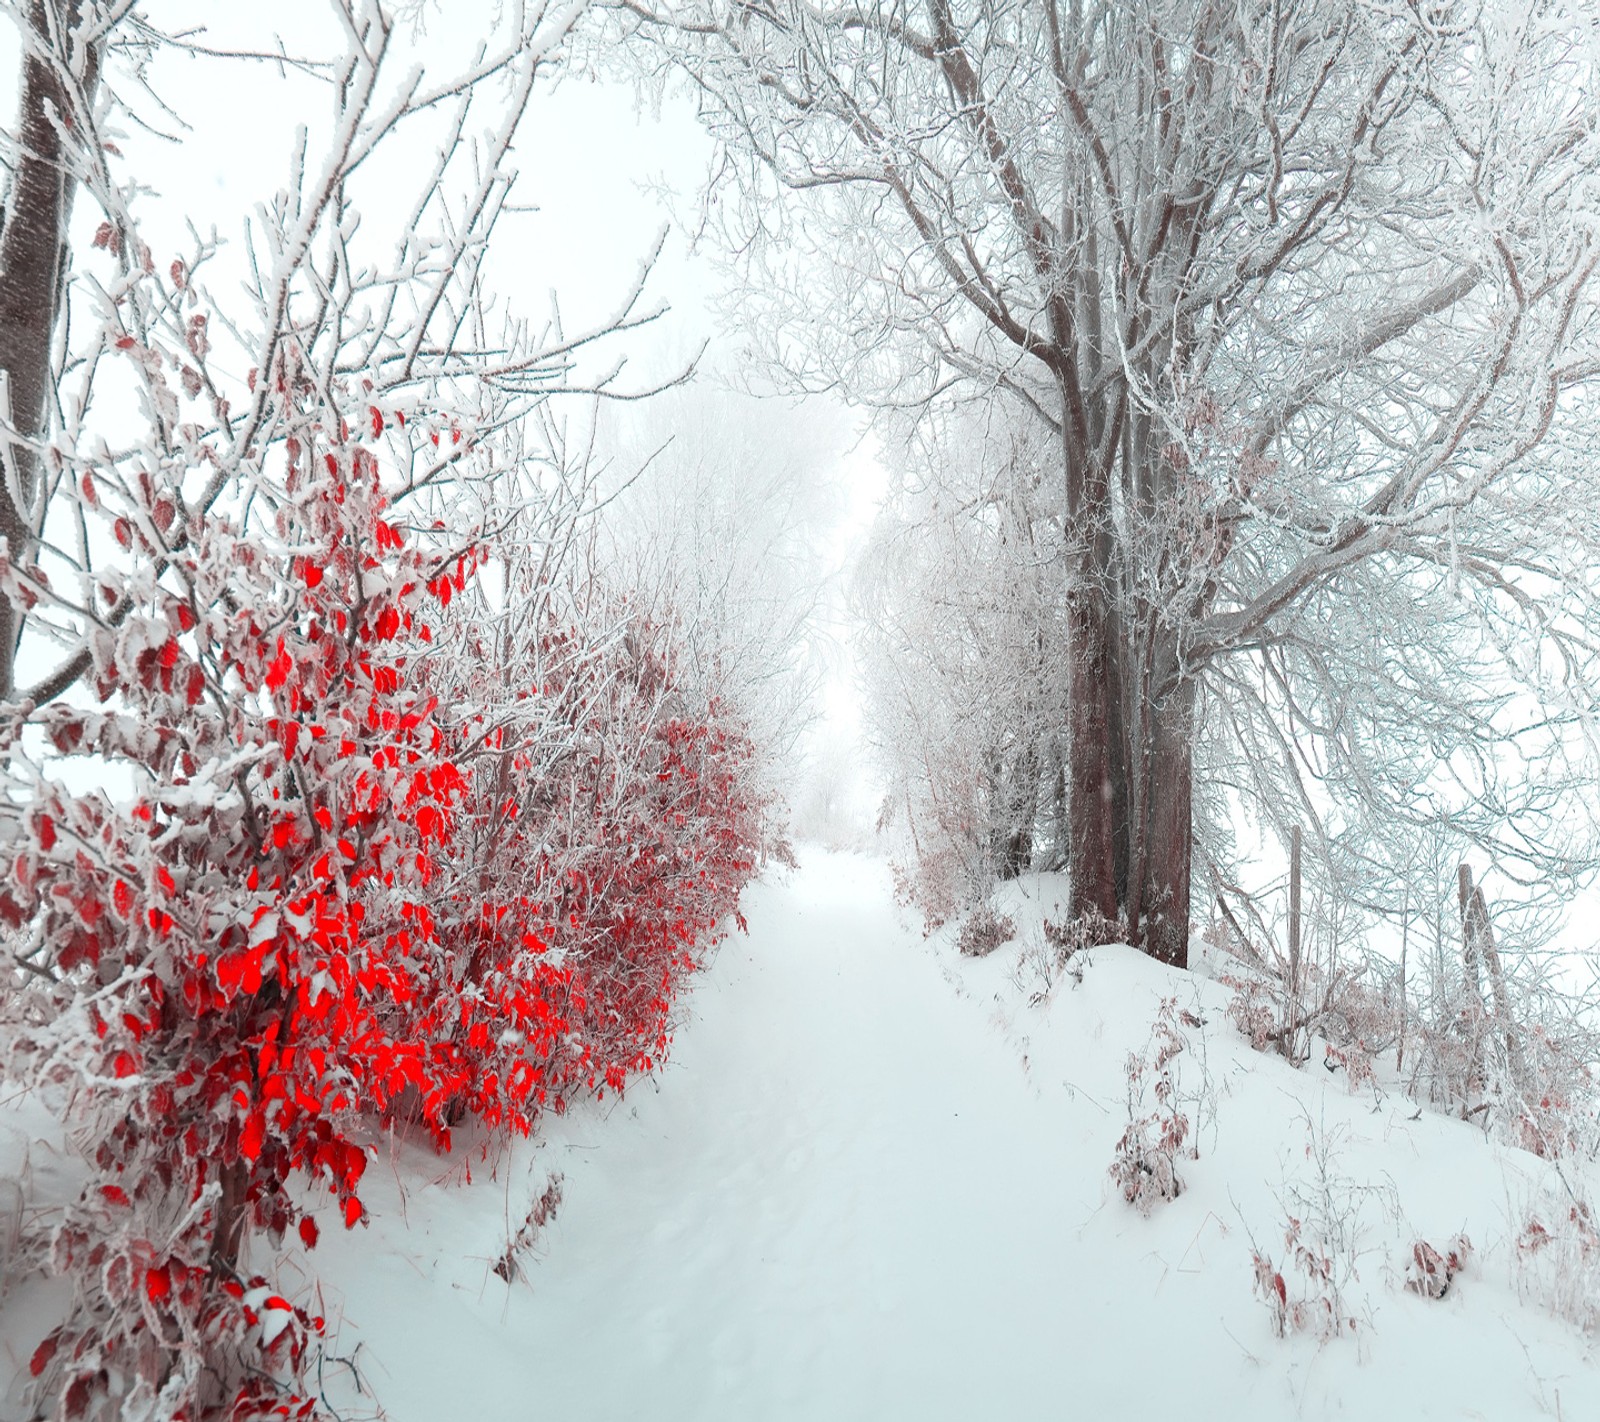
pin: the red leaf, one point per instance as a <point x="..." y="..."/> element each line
<point x="252" y="1137"/>
<point x="157" y="1284"/>
<point x="352" y="1212"/>
<point x="278" y="672"/>
<point x="42" y="1356"/>
<point x="47" y="833"/>
<point x="308" y="1231"/>
<point x="377" y="422"/>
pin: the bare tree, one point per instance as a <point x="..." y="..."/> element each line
<point x="1304" y="292"/>
<point x="959" y="601"/>
<point x="62" y="48"/>
<point x="334" y="318"/>
<point x="727" y="520"/>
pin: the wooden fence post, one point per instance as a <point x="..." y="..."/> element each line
<point x="1478" y="954"/>
<point x="1294" y="941"/>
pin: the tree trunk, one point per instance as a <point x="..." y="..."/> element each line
<point x="1161" y="923"/>
<point x="1130" y="744"/>
<point x="1133" y="809"/>
<point x="1096" y="779"/>
<point x="1093" y="766"/>
<point x="32" y="255"/>
<point x="232" y="1211"/>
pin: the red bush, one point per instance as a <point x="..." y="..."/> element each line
<point x="607" y="839"/>
<point x="286" y="931"/>
<point x="226" y="955"/>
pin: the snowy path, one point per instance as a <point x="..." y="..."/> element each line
<point x="869" y="1207"/>
<point x="827" y="1211"/>
<point x="849" y="1199"/>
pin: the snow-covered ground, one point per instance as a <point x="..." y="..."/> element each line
<point x="872" y="1184"/>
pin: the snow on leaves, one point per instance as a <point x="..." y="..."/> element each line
<point x="299" y="924"/>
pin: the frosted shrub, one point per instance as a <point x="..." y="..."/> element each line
<point x="938" y="883"/>
<point x="1557" y="1259"/>
<point x="1088" y="930"/>
<point x="1144" y="1161"/>
<point x="1144" y="1164"/>
<point x="1315" y="1305"/>
<point x="1520" y="1070"/>
<point x="983" y="931"/>
<point x="1253" y="1011"/>
<point x="543" y="1209"/>
<point x="1349" y="1008"/>
<point x="1323" y="1226"/>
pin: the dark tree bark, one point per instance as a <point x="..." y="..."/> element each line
<point x="1158" y="917"/>
<point x="1130" y="795"/>
<point x="1096" y="788"/>
<point x="32" y="260"/>
<point x="1131" y="712"/>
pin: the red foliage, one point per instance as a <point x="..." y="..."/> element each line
<point x="291" y="928"/>
<point x="611" y="841"/>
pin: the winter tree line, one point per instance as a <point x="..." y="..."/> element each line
<point x="1234" y="362"/>
<point x="1237" y="364"/>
